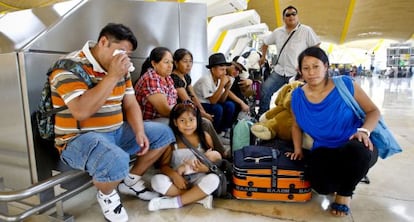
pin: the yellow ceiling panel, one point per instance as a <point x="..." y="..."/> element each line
<point x="335" y="21"/>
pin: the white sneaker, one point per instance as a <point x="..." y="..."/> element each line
<point x="163" y="203"/>
<point x="133" y="185"/>
<point x="112" y="207"/>
<point x="207" y="202"/>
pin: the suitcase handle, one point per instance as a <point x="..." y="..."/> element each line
<point x="258" y="160"/>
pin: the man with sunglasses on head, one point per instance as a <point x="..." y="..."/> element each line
<point x="290" y="40"/>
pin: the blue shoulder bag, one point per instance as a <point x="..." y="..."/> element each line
<point x="381" y="136"/>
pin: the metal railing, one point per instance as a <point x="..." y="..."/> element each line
<point x="19" y="195"/>
<point x="65" y="177"/>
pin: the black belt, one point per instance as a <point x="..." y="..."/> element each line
<point x="286" y="78"/>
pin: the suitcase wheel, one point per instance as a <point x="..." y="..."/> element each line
<point x="291" y="187"/>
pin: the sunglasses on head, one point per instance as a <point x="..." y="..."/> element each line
<point x="289" y="14"/>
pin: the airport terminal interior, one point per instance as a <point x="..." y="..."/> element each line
<point x="371" y="40"/>
<point x="387" y="198"/>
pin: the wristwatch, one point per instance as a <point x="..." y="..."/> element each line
<point x="364" y="130"/>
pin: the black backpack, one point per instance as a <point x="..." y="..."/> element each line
<point x="45" y="113"/>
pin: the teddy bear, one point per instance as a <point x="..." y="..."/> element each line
<point x="277" y="122"/>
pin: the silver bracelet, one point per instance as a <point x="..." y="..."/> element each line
<point x="364" y="130"/>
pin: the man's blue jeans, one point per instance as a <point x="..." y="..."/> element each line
<point x="105" y="155"/>
<point x="273" y="83"/>
<point x="223" y="114"/>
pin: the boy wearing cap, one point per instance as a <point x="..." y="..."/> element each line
<point x="240" y="84"/>
<point x="213" y="90"/>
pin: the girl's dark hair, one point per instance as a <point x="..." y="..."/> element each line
<point x="156" y="55"/>
<point x="188" y="106"/>
<point x="119" y="32"/>
<point x="179" y="54"/>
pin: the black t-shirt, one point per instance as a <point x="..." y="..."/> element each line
<point x="180" y="83"/>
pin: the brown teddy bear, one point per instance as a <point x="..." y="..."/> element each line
<point x="277" y="122"/>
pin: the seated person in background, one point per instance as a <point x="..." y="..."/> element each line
<point x="156" y="94"/>
<point x="241" y="75"/>
<point x="154" y="89"/>
<point x="240" y="85"/>
<point x="187" y="167"/>
<point x="102" y="125"/>
<point x="183" y="63"/>
<point x="213" y="90"/>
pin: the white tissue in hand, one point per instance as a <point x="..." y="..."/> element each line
<point x="120" y="51"/>
<point x="131" y="68"/>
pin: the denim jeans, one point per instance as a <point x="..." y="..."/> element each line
<point x="273" y="83"/>
<point x="223" y="114"/>
<point x="105" y="156"/>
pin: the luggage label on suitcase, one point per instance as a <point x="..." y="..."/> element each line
<point x="261" y="173"/>
<point x="239" y="193"/>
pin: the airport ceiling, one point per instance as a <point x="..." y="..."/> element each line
<point x="346" y="21"/>
<point x="335" y="21"/>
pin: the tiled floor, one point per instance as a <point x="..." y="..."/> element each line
<point x="389" y="196"/>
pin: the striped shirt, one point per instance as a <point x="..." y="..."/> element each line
<point x="66" y="86"/>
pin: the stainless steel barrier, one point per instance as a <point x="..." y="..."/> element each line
<point x="19" y="195"/>
<point x="25" y="57"/>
